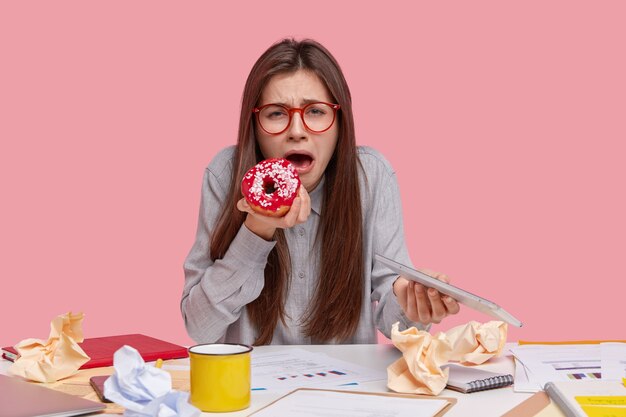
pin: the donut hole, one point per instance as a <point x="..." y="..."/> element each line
<point x="269" y="187"/>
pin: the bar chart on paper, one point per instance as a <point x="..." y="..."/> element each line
<point x="586" y="369"/>
<point x="322" y="374"/>
<point x="300" y="368"/>
<point x="537" y="365"/>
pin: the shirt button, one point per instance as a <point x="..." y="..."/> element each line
<point x="301" y="231"/>
<point x="301" y="274"/>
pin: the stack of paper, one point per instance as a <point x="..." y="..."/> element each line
<point x="314" y="402"/>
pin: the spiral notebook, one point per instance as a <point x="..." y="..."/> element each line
<point x="467" y="379"/>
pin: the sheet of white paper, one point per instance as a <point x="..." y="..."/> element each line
<point x="613" y="358"/>
<point x="333" y="404"/>
<point x="546" y="363"/>
<point x="298" y="368"/>
<point x="522" y="383"/>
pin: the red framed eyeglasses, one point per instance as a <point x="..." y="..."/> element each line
<point x="317" y="117"/>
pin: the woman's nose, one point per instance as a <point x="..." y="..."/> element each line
<point x="296" y="128"/>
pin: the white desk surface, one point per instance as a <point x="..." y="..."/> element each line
<point x="488" y="403"/>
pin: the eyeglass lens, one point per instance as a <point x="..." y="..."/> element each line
<point x="317" y="117"/>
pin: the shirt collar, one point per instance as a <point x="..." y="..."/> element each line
<point x="317" y="196"/>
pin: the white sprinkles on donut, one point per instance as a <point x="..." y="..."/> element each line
<point x="271" y="184"/>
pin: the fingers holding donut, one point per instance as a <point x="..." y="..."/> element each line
<point x="242" y="205"/>
<point x="305" y="208"/>
<point x="291" y="218"/>
<point x="298" y="212"/>
<point x="265" y="226"/>
<point x="273" y="197"/>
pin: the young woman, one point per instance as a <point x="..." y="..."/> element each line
<point x="309" y="277"/>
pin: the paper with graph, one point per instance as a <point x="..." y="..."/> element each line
<point x="297" y="368"/>
<point x="575" y="362"/>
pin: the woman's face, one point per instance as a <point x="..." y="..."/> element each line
<point x="308" y="151"/>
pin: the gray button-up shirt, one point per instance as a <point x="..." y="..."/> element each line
<point x="215" y="294"/>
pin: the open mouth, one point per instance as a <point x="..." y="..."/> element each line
<point x="300" y="161"/>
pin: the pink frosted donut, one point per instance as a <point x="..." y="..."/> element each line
<point x="271" y="186"/>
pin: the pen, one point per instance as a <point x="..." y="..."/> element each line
<point x="159" y="363"/>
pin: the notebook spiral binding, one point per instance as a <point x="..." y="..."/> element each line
<point x="489" y="383"/>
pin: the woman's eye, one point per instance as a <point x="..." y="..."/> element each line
<point x="275" y="114"/>
<point x="316" y="112"/>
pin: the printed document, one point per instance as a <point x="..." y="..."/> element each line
<point x="536" y="365"/>
<point x="613" y="358"/>
<point x="545" y="363"/>
<point x="297" y="368"/>
<point x="305" y="403"/>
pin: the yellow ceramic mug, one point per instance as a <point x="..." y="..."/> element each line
<point x="220" y="377"/>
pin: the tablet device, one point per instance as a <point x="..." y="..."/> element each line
<point x="462" y="296"/>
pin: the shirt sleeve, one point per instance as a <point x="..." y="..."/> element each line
<point x="388" y="241"/>
<point x="215" y="293"/>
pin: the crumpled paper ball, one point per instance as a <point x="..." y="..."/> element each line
<point x="145" y="391"/>
<point x="56" y="358"/>
<point x="419" y="370"/>
<point x="475" y="343"/>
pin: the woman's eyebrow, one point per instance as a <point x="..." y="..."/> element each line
<point x="303" y="102"/>
<point x="311" y="100"/>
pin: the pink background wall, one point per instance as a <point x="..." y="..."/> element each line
<point x="505" y="123"/>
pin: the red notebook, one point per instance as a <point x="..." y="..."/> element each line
<point x="101" y="349"/>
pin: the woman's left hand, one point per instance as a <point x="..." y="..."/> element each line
<point x="422" y="304"/>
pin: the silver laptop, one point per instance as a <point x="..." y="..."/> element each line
<point x="462" y="296"/>
<point x="19" y="398"/>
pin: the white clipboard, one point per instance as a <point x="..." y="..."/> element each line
<point x="462" y="296"/>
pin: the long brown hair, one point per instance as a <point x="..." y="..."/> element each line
<point x="335" y="309"/>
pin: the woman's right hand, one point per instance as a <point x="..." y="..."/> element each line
<point x="265" y="226"/>
<point x="421" y="304"/>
